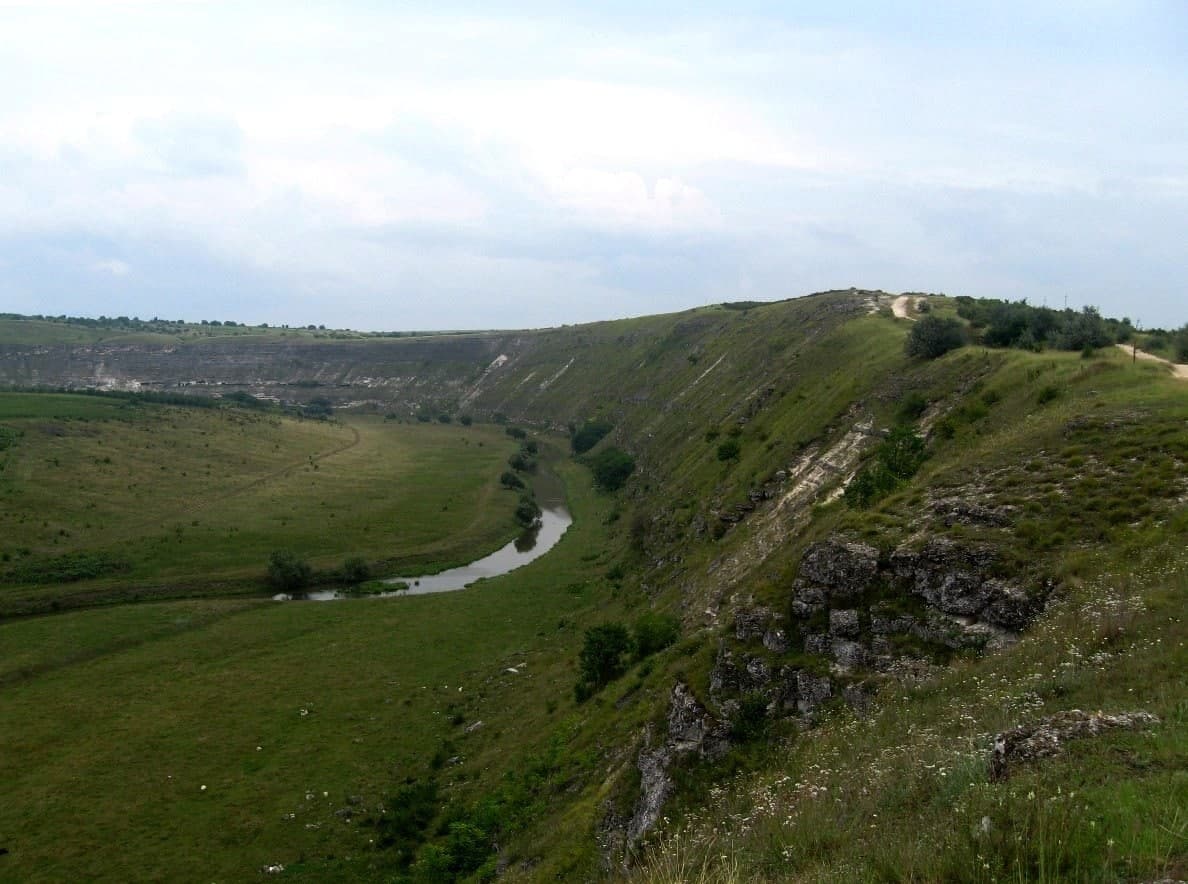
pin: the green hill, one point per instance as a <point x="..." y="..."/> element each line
<point x="844" y="572"/>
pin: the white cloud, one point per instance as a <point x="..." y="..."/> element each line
<point x="112" y="266"/>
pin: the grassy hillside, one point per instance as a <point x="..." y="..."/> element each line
<point x="440" y="737"/>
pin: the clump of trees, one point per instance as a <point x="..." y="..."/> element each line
<point x="287" y="572"/>
<point x="319" y="408"/>
<point x="932" y="337"/>
<point x="609" y="648"/>
<point x="611" y="468"/>
<point x="1018" y="324"/>
<point x="527" y="510"/>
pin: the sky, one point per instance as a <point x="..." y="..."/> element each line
<point x="397" y="166"/>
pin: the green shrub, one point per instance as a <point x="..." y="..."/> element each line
<point x="603" y="655"/>
<point x="750" y="721"/>
<point x="516" y="432"/>
<point x="611" y="468"/>
<point x="931" y="337"/>
<point x="287" y="573"/>
<point x="510" y="480"/>
<point x="911" y="406"/>
<point x="590" y="434"/>
<point x="1047" y="394"/>
<point x="355" y="570"/>
<point x="654" y="632"/>
<point x="466" y="420"/>
<point x="527" y="511"/>
<point x="729" y="450"/>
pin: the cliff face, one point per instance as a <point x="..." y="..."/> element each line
<point x="383" y="371"/>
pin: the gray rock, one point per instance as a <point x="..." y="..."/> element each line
<point x="776" y="640"/>
<point x="811" y="691"/>
<point x="843" y="568"/>
<point x="843" y="624"/>
<point x="691" y="729"/>
<point x="751" y="623"/>
<point x="816" y="643"/>
<point x="1045" y="738"/>
<point x="1010" y="606"/>
<point x="848" y="655"/>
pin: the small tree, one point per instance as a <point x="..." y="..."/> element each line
<point x="286" y="572"/>
<point x="931" y="337"/>
<point x="654" y="632"/>
<point x="527" y="511"/>
<point x="611" y="467"/>
<point x="603" y="656"/>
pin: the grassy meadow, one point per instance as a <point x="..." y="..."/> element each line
<point x="168" y="500"/>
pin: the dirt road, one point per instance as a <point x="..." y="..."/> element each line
<point x="1178" y="370"/>
<point x="900" y="307"/>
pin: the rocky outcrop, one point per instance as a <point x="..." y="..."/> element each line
<point x="1046" y="737"/>
<point x="839" y="569"/>
<point x="692" y="730"/>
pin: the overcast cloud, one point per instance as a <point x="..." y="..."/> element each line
<point x="373" y="166"/>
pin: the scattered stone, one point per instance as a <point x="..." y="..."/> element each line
<point x="1045" y="738"/>
<point x="843" y="624"/>
<point x="775" y="640"/>
<point x="471" y="728"/>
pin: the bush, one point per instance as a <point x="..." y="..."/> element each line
<point x="527" y="511"/>
<point x="654" y="632"/>
<point x="911" y="406"/>
<point x="1047" y="394"/>
<point x="466" y="420"/>
<point x="611" y="467"/>
<point x="729" y="450"/>
<point x="516" y="432"/>
<point x="287" y="573"/>
<point x="603" y="655"/>
<point x="510" y="480"/>
<point x="931" y="337"/>
<point x="750" y="721"/>
<point x="355" y="570"/>
<point x="896" y="460"/>
<point x="590" y="434"/>
<point x="318" y="408"/>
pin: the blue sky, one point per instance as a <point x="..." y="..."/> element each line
<point x="460" y="165"/>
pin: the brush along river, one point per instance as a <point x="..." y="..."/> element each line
<point x="529" y="546"/>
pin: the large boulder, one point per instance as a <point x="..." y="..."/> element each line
<point x="842" y="568"/>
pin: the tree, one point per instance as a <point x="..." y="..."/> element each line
<point x="932" y="336"/>
<point x="602" y="658"/>
<point x="611" y="467"/>
<point x="654" y="632"/>
<point x="527" y="511"/>
<point x="590" y="434"/>
<point x="286" y="572"/>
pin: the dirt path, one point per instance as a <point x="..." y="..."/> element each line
<point x="900" y="308"/>
<point x="1178" y="370"/>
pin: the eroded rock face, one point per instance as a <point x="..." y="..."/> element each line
<point x="1045" y="738"/>
<point x="691" y="730"/>
<point x="840" y="568"/>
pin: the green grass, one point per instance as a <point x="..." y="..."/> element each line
<point x="201" y="497"/>
<point x="112" y="720"/>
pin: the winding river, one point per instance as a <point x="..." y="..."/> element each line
<point x="529" y="546"/>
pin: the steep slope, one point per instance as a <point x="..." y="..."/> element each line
<point x="844" y="663"/>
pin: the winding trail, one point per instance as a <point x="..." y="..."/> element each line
<point x="900" y="308"/>
<point x="1179" y="370"/>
